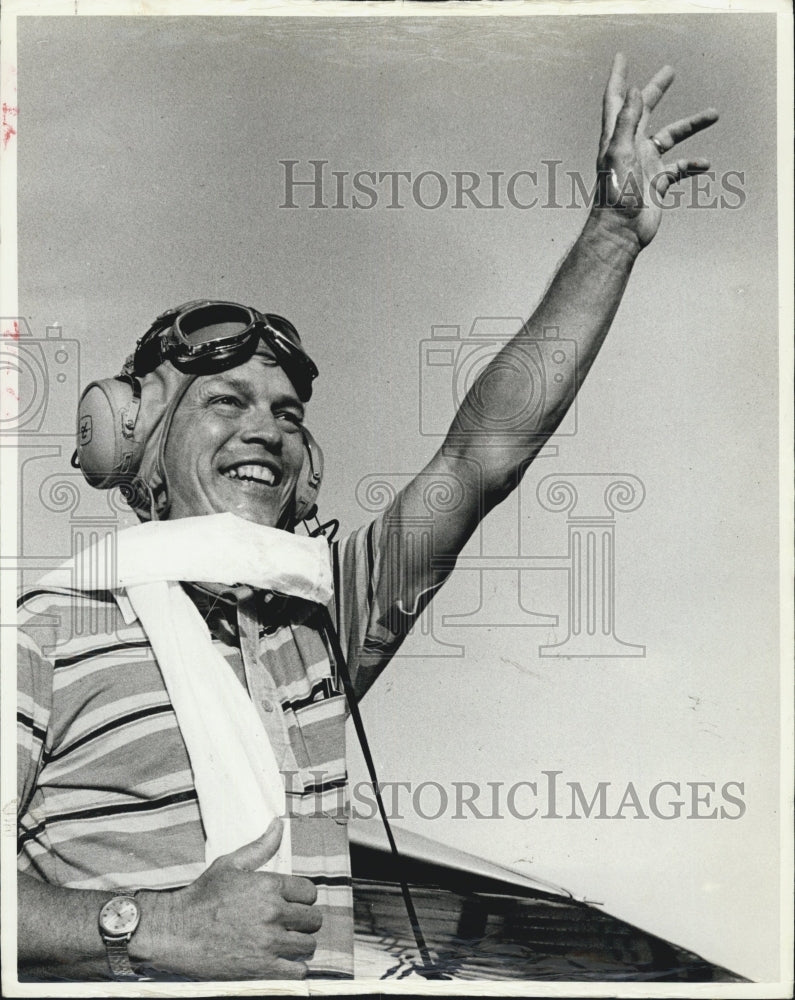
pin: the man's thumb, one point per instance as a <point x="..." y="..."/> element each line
<point x="252" y="856"/>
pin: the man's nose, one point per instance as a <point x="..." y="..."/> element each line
<point x="259" y="424"/>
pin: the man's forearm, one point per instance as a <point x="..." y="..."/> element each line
<point x="58" y="931"/>
<point x="499" y="426"/>
<point x="233" y="922"/>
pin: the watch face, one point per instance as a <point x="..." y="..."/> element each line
<point x="119" y="915"/>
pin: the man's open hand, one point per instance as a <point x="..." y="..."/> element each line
<point x="235" y="922"/>
<point x="633" y="178"/>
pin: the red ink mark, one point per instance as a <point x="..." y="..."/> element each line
<point x="8" y="128"/>
<point x="13" y="333"/>
<point x="12" y="392"/>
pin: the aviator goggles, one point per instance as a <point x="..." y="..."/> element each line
<point x="206" y="337"/>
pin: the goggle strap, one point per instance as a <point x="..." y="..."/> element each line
<point x="152" y="349"/>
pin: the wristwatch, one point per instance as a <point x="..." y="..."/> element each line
<point x="118" y="920"/>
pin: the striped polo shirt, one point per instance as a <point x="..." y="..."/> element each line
<point x="106" y="793"/>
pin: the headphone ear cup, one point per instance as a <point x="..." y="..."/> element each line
<point x="107" y="449"/>
<point x="309" y="480"/>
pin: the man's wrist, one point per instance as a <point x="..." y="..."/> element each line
<point x="611" y="236"/>
<point x="149" y="945"/>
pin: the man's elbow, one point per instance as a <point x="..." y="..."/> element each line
<point x="486" y="475"/>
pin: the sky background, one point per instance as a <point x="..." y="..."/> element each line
<point x="149" y="174"/>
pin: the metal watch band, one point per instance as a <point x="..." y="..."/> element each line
<point x="119" y="961"/>
<point x="118" y="954"/>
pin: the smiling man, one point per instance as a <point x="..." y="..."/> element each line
<point x="182" y="777"/>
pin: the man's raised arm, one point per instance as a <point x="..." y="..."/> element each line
<point x="487" y="450"/>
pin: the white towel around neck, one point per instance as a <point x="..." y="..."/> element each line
<point x="238" y="783"/>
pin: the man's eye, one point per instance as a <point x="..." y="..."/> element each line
<point x="228" y="401"/>
<point x="291" y="418"/>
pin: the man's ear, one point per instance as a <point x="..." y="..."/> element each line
<point x="110" y="445"/>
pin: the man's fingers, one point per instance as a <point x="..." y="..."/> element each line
<point x="628" y="120"/>
<point x="669" y="136"/>
<point x="284" y="969"/>
<point x="676" y="172"/>
<point x="615" y="92"/>
<point x="252" y="856"/>
<point x="656" y="87"/>
<point x="298" y="890"/>
<point x="293" y="944"/>
<point x="298" y="917"/>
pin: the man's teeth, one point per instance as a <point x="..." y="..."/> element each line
<point x="257" y="473"/>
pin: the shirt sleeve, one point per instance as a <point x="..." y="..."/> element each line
<point x="34" y="705"/>
<point x="383" y="582"/>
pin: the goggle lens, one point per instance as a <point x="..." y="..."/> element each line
<point x="212" y="323"/>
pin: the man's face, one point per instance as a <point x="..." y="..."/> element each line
<point x="236" y="444"/>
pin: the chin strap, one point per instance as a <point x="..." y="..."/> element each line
<point x="428" y="969"/>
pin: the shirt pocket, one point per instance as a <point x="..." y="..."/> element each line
<point x="318" y="738"/>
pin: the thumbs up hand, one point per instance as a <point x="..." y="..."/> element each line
<point x="233" y="922"/>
